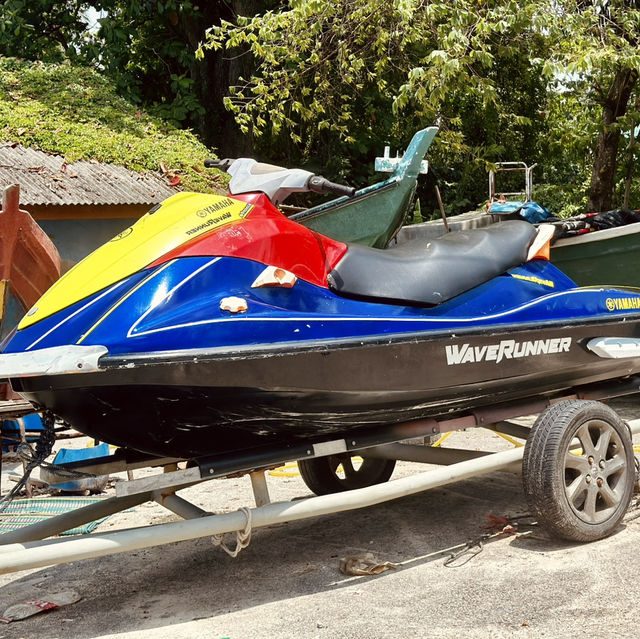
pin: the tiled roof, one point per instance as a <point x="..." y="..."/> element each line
<point x="46" y="180"/>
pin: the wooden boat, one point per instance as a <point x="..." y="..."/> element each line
<point x="29" y="264"/>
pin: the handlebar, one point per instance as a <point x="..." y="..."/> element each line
<point x="294" y="180"/>
<point x="223" y="165"/>
<point x="321" y="185"/>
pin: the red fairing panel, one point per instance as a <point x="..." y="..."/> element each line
<point x="267" y="236"/>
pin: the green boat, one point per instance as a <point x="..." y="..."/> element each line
<point x="608" y="256"/>
<point x="374" y="215"/>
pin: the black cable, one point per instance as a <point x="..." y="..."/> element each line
<point x="43" y="448"/>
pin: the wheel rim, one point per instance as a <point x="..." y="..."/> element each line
<point x="595" y="470"/>
<point x="354" y="475"/>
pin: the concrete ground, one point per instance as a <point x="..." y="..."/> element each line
<point x="287" y="583"/>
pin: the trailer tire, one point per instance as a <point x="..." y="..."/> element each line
<point x="321" y="473"/>
<point x="579" y="497"/>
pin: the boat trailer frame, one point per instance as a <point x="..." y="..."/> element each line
<point x="28" y="547"/>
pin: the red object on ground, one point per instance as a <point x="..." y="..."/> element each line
<point x="267" y="236"/>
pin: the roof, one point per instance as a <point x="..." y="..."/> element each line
<point x="48" y="180"/>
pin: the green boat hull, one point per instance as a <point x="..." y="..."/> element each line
<point x="611" y="257"/>
<point x="375" y="214"/>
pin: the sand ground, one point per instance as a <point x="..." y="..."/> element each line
<point x="287" y="582"/>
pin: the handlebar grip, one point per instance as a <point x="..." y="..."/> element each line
<point x="322" y="185"/>
<point x="223" y="165"/>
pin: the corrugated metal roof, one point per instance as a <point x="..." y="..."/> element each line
<point x="46" y="180"/>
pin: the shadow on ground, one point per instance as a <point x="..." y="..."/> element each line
<point x="193" y="580"/>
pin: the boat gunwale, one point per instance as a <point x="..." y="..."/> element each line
<point x="598" y="236"/>
<point x="259" y="351"/>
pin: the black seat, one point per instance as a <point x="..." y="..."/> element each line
<point x="429" y="273"/>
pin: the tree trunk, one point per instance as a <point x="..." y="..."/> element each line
<point x="614" y="106"/>
<point x="216" y="72"/>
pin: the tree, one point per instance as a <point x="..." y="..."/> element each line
<point x="538" y="80"/>
<point x="355" y="67"/>
<point x="41" y="29"/>
<point x="354" y="74"/>
<point x="595" y="54"/>
<point x="149" y="47"/>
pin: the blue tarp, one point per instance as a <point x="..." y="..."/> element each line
<point x="530" y="211"/>
<point x="68" y="455"/>
<point x="11" y="429"/>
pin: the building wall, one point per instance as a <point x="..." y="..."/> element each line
<point x="77" y="230"/>
<point x="75" y="239"/>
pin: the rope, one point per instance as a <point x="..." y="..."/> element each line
<point x="475" y="546"/>
<point x="243" y="537"/>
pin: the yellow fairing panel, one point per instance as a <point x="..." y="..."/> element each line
<point x="181" y="218"/>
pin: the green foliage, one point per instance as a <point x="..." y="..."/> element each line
<point x="354" y="74"/>
<point x="506" y="80"/>
<point x="74" y="111"/>
<point x="365" y="63"/>
<point x="594" y="55"/>
<point x="330" y="83"/>
<point x="142" y="46"/>
<point x="41" y="29"/>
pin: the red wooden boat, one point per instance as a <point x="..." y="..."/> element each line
<point x="29" y="264"/>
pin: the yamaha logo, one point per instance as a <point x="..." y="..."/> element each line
<point x="623" y="303"/>
<point x="216" y="207"/>
<point x="124" y="234"/>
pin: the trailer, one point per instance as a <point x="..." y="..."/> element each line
<point x="577" y="463"/>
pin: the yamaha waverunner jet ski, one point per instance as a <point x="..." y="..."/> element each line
<point x="216" y="325"/>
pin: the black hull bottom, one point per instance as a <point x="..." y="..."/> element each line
<point x="191" y="408"/>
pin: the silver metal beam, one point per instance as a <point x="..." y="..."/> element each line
<point x="175" y="479"/>
<point x="179" y="506"/>
<point x="260" y="488"/>
<point x="121" y="465"/>
<point x="36" y="554"/>
<point x="422" y="454"/>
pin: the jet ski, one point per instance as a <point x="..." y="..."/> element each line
<point x="216" y="325"/>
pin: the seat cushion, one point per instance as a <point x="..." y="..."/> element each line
<point x="429" y="273"/>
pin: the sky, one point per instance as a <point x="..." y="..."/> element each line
<point x="92" y="16"/>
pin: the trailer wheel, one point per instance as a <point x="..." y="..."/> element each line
<point x="322" y="474"/>
<point x="578" y="469"/>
